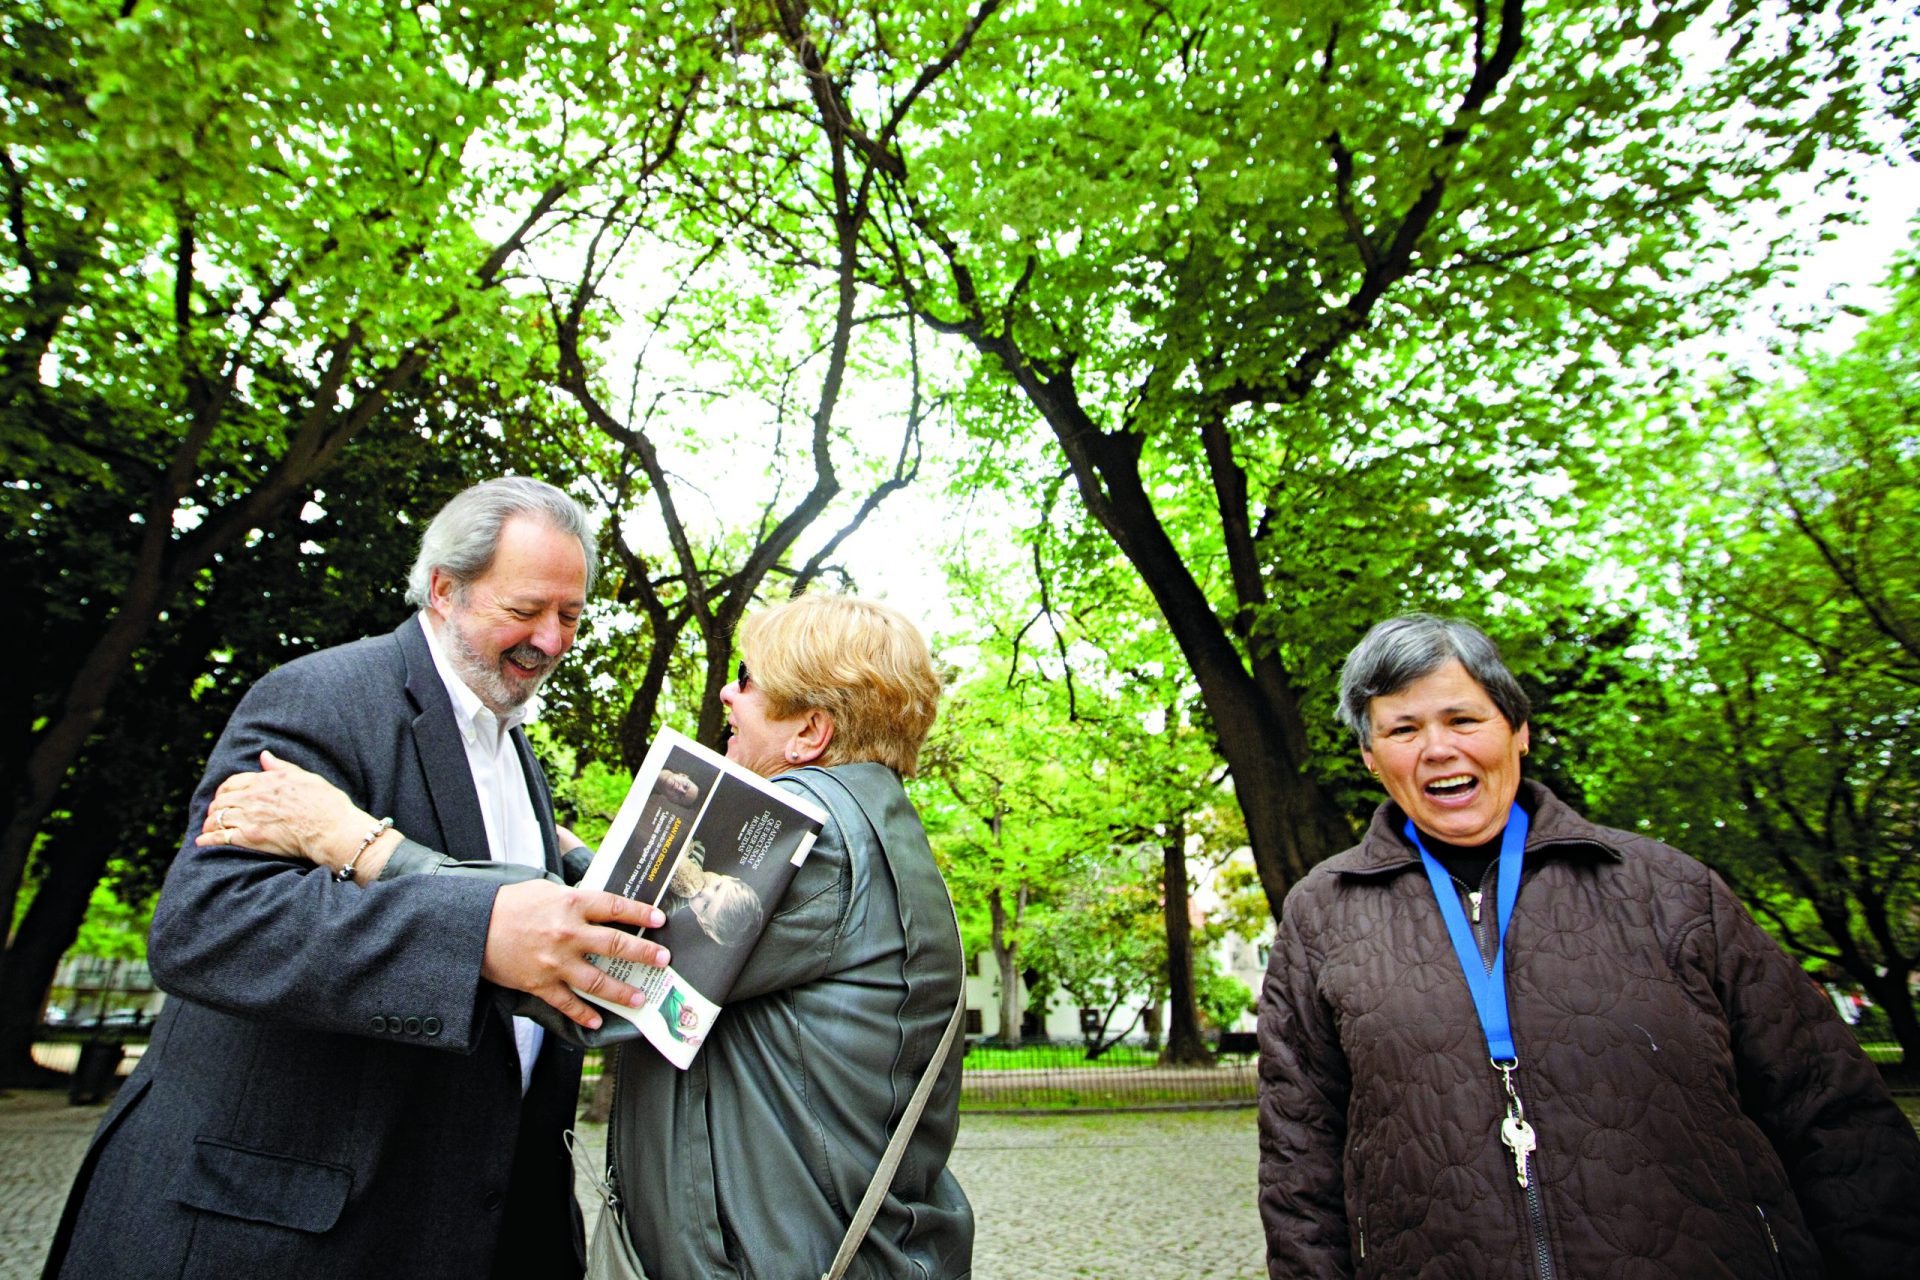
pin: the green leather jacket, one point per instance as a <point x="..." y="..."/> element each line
<point x="751" y="1162"/>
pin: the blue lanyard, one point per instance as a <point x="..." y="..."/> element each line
<point x="1487" y="986"/>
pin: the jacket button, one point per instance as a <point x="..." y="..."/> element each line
<point x="493" y="1201"/>
<point x="379" y="1023"/>
<point x="431" y="1026"/>
<point x="413" y="1026"/>
<point x="393" y="1024"/>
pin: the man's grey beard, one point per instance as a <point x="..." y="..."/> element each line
<point x="484" y="678"/>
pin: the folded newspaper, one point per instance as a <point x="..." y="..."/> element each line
<point x="713" y="845"/>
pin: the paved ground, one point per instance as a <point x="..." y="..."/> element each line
<point x="1154" y="1196"/>
<point x="41" y="1140"/>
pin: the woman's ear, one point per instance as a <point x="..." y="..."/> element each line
<point x="810" y="740"/>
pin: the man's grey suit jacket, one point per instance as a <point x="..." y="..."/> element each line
<point x="332" y="1089"/>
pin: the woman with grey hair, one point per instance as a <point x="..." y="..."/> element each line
<point x="1499" y="1040"/>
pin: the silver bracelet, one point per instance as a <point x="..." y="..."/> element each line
<point x="345" y="874"/>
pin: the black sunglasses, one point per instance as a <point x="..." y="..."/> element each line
<point x="740" y="679"/>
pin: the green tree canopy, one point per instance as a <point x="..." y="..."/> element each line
<point x="231" y="239"/>
<point x="1789" y="678"/>
<point x="1314" y="303"/>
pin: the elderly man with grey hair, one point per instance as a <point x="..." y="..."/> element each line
<point x="336" y="1086"/>
<point x="1497" y="1039"/>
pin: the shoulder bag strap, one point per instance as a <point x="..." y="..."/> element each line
<point x="896" y="1148"/>
<point x="903" y="1132"/>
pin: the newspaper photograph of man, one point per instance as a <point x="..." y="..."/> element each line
<point x="713" y="845"/>
<point x="716" y="894"/>
<point x="677" y="788"/>
<point x="666" y="822"/>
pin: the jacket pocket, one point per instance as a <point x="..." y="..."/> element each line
<point x="261" y="1186"/>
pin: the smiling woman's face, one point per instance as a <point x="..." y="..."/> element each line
<point x="1447" y="755"/>
<point x="760" y="740"/>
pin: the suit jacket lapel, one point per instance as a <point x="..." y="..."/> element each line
<point x="542" y="798"/>
<point x="443" y="757"/>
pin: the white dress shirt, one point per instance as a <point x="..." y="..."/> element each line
<point x="506" y="805"/>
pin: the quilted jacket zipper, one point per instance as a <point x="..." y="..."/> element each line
<point x="1773" y="1244"/>
<point x="1485" y="933"/>
<point x="1537" y="1222"/>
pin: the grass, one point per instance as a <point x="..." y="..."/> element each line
<point x="1055" y="1057"/>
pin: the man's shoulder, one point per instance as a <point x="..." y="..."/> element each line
<point x="357" y="659"/>
<point x="373" y="667"/>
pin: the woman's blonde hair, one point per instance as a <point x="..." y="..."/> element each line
<point x="862" y="663"/>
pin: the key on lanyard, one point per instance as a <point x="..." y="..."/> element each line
<point x="1518" y="1135"/>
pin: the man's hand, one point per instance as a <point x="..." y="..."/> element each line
<point x="541" y="934"/>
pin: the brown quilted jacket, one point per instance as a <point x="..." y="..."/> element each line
<point x="1700" y="1109"/>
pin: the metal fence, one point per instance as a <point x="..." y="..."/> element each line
<point x="1040" y="1075"/>
<point x="1060" y="1076"/>
<point x="1045" y="1076"/>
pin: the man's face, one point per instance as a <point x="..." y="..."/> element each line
<point x="507" y="628"/>
<point x="679" y="788"/>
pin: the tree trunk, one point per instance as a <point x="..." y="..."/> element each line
<point x="106" y="806"/>
<point x="59" y="744"/>
<point x="1292" y="821"/>
<point x="712" y="729"/>
<point x="1891" y="993"/>
<point x="1006" y="957"/>
<point x="1186" y="1045"/>
<point x="1099" y="1043"/>
<point x="600" y="1102"/>
<point x="1035" y="1010"/>
<point x="76" y="857"/>
<point x="637" y="722"/>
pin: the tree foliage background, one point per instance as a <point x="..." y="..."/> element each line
<point x="1254" y="322"/>
<point x="1781" y="569"/>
